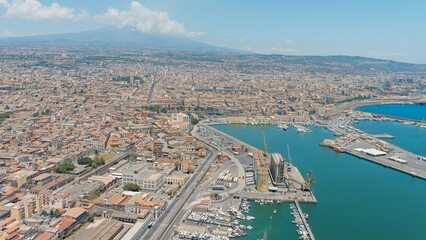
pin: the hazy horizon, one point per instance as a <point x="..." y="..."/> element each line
<point x="382" y="29"/>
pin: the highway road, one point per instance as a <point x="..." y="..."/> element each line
<point x="164" y="226"/>
<point x="169" y="220"/>
<point x="151" y="92"/>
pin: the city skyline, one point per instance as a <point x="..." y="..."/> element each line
<point x="387" y="30"/>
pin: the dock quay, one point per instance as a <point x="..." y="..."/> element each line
<point x="259" y="176"/>
<point x="369" y="147"/>
<point x="305" y="222"/>
<point x="287" y="197"/>
<point x="415" y="172"/>
<point x="294" y="180"/>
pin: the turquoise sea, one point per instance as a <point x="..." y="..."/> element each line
<point x="357" y="199"/>
<point x="413" y="111"/>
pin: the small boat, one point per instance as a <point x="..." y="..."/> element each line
<point x="306" y="215"/>
<point x="249" y="227"/>
<point x="275" y="211"/>
<point x="283" y="127"/>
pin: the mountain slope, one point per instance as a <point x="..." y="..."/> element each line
<point x="117" y="38"/>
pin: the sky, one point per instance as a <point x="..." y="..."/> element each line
<point x="372" y="28"/>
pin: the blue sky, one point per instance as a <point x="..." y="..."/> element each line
<point x="376" y="28"/>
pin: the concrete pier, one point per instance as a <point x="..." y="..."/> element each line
<point x="287" y="197"/>
<point x="415" y="172"/>
<point x="305" y="222"/>
<point x="412" y="164"/>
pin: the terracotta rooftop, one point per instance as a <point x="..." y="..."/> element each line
<point x="74" y="212"/>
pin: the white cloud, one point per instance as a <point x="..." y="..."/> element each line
<point x="8" y="34"/>
<point x="35" y="10"/>
<point x="144" y="20"/>
<point x="138" y="16"/>
<point x="4" y="3"/>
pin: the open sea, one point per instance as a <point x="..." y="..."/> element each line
<point x="357" y="199"/>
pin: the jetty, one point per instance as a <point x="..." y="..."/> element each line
<point x="304" y="221"/>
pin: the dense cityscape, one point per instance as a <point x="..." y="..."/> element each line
<point x="212" y="120"/>
<point x="105" y="134"/>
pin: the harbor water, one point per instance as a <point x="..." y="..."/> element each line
<point x="411" y="111"/>
<point x="357" y="199"/>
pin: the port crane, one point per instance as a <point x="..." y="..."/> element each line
<point x="265" y="146"/>
<point x="304" y="186"/>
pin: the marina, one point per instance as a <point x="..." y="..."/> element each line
<point x="304" y="230"/>
<point x="222" y="208"/>
<point x="336" y="171"/>
<point x="259" y="171"/>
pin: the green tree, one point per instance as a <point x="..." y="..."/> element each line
<point x="65" y="167"/>
<point x="98" y="162"/>
<point x="177" y="166"/>
<point x="131" y="187"/>
<point x="56" y="213"/>
<point x="90" y="218"/>
<point x="4" y="116"/>
<point x="43" y="213"/>
<point x="47" y="111"/>
<point x="85" y="161"/>
<point x="194" y="121"/>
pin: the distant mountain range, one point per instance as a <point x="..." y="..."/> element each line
<point x="336" y="64"/>
<point x="127" y="38"/>
<point x="119" y="38"/>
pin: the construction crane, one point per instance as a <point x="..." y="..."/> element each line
<point x="265" y="153"/>
<point x="289" y="158"/>
<point x="304" y="186"/>
<point x="309" y="181"/>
